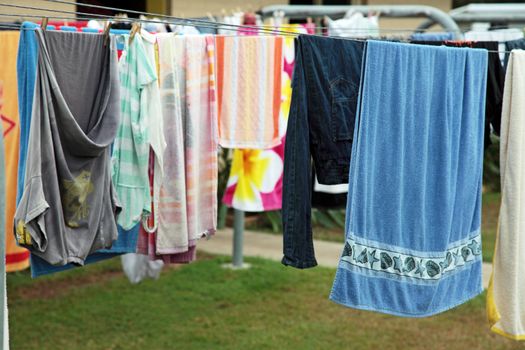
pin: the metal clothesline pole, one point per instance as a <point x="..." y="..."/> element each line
<point x="238" y="237"/>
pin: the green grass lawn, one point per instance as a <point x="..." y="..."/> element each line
<point x="489" y="223"/>
<point x="204" y="306"/>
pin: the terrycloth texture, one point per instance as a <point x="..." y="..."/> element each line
<point x="200" y="137"/>
<point x="506" y="294"/>
<point x="249" y="90"/>
<point x="131" y="146"/>
<point x="256" y="177"/>
<point x="68" y="207"/>
<point x="125" y="243"/>
<point x="147" y="242"/>
<point x="432" y="36"/>
<point x="413" y="244"/>
<point x="188" y="194"/>
<point x="172" y="222"/>
<point x="495" y="82"/>
<point x="26" y="74"/>
<point x="17" y="258"/>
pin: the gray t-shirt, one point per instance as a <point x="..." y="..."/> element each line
<point x="68" y="207"/>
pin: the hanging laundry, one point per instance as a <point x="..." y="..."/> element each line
<point x="231" y="23"/>
<point x="172" y="214"/>
<point x="328" y="196"/>
<point x="131" y="146"/>
<point x="147" y="243"/>
<point x="188" y="193"/>
<point x="505" y="304"/>
<point x="70" y="212"/>
<point x="139" y="266"/>
<point x="4" y="324"/>
<point x="432" y="36"/>
<point x="127" y="240"/>
<point x="495" y="83"/>
<point x="512" y="45"/>
<point x="249" y="72"/>
<point x="255" y="182"/>
<point x="322" y="116"/>
<point x="256" y="176"/>
<point x="17" y="258"/>
<point x="26" y="73"/>
<point x="413" y="243"/>
<point x="498" y="35"/>
<point x="201" y="136"/>
<point x="353" y="25"/>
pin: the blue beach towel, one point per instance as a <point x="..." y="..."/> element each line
<point x="413" y="245"/>
<point x="432" y="36"/>
<point x="26" y="75"/>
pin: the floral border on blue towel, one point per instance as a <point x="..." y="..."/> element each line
<point x="405" y="264"/>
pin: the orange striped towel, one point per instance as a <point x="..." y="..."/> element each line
<point x="249" y="90"/>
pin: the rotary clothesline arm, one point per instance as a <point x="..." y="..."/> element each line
<point x="434" y="15"/>
<point x="493" y="13"/>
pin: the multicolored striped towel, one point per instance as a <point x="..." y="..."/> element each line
<point x="188" y="193"/>
<point x="249" y="72"/>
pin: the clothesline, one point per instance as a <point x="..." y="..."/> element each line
<point x="17" y="27"/>
<point x="214" y="25"/>
<point x="175" y="20"/>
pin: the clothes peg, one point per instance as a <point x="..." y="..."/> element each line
<point x="45" y="20"/>
<point x="106" y="33"/>
<point x="134" y="29"/>
<point x="210" y="17"/>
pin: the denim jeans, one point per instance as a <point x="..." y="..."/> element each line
<point x="325" y="87"/>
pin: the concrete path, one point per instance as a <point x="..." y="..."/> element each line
<point x="270" y="247"/>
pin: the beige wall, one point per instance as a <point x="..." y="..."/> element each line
<point x="197" y="8"/>
<point x="41" y="4"/>
<point x="409" y="23"/>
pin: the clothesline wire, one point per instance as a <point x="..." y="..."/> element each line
<point x="266" y="30"/>
<point x="97" y="17"/>
<point x="212" y="22"/>
<point x="9" y="26"/>
<point x="207" y="25"/>
<point x="17" y="27"/>
<point x="190" y="21"/>
<point x="176" y="19"/>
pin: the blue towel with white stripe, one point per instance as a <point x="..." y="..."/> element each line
<point x="413" y="245"/>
